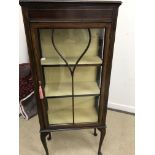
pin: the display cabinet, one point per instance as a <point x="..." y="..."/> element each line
<point x="70" y="45"/>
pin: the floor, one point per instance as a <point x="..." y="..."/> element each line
<point x="119" y="140"/>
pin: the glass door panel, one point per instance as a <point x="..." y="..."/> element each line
<point x="60" y="111"/>
<point x="86" y="110"/>
<point x="71" y="61"/>
<point x="71" y="43"/>
<point x="58" y="82"/>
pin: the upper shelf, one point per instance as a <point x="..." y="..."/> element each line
<point x="54" y="90"/>
<point x="94" y="60"/>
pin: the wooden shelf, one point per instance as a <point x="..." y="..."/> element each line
<point x="60" y="110"/>
<point x="94" y="60"/>
<point x="65" y="89"/>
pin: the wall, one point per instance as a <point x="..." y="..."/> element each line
<point x="23" y="54"/>
<point x="122" y="77"/>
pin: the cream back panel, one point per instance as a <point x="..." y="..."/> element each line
<point x="71" y="43"/>
<point x="62" y="74"/>
<point x="60" y="110"/>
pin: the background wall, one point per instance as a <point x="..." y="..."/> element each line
<point x="122" y="77"/>
<point x="23" y="53"/>
<point x="122" y="93"/>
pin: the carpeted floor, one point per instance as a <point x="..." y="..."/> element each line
<point x="119" y="139"/>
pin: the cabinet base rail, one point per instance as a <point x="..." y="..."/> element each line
<point x="71" y="127"/>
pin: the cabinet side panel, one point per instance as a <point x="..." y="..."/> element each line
<point x="32" y="62"/>
<point x="106" y="73"/>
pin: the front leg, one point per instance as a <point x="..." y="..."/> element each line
<point x="102" y="132"/>
<point x="43" y="140"/>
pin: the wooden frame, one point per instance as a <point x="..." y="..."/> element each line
<point x="39" y="14"/>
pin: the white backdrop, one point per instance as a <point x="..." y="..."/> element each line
<point x="122" y="77"/>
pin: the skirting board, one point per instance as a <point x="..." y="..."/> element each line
<point x="121" y="107"/>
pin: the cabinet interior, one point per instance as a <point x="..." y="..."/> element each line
<point x="59" y="84"/>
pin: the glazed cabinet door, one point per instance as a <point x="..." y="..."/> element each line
<point x="69" y="66"/>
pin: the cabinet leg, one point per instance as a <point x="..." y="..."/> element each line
<point x="46" y="104"/>
<point x="43" y="140"/>
<point x="95" y="133"/>
<point x="49" y="136"/>
<point x="103" y="132"/>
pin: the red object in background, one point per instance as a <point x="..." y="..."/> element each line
<point x="27" y="101"/>
<point x="26" y="85"/>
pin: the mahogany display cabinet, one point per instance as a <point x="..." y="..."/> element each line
<point x="70" y="46"/>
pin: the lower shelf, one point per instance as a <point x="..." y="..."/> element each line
<point x="65" y="89"/>
<point x="60" y="110"/>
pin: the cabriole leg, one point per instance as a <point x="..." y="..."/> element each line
<point x="103" y="131"/>
<point x="43" y="140"/>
